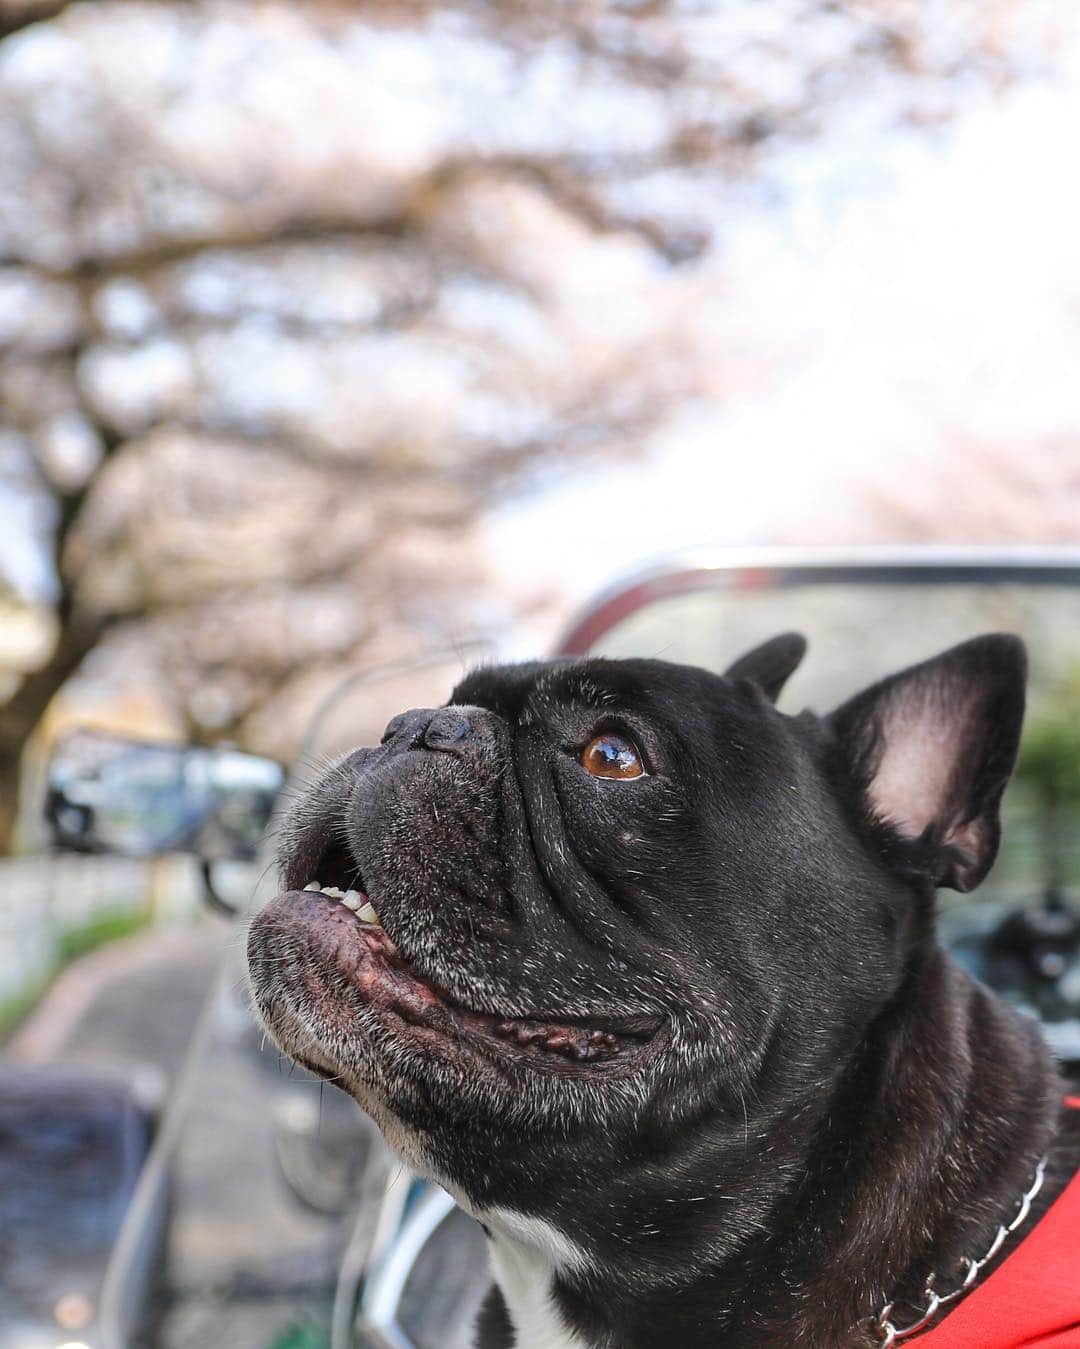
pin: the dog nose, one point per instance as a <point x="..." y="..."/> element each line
<point x="408" y="727"/>
<point x="448" y="728"/>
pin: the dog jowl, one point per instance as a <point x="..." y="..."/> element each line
<point x="643" y="971"/>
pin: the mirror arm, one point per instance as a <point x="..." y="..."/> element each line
<point x="213" y="897"/>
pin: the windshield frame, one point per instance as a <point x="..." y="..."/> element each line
<point x="748" y="569"/>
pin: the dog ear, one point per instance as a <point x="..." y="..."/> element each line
<point x="932" y="748"/>
<point x="771" y="664"/>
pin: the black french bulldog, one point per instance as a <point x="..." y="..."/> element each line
<point x="644" y="972"/>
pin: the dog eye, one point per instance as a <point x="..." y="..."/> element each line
<point x="612" y="756"/>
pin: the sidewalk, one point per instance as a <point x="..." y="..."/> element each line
<point x="134" y="1002"/>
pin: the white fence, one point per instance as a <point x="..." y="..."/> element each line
<point x="43" y="900"/>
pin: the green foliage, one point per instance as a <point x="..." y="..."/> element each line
<point x="19" y="1005"/>
<point x="302" y="1335"/>
<point x="1050" y="752"/>
<point x="71" y="944"/>
<point x="105" y="927"/>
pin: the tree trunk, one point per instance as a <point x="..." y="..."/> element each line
<point x="9" y="799"/>
<point x="20" y="715"/>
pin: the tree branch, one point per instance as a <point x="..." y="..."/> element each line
<point x="564" y="178"/>
<point x="318" y="228"/>
<point x="18" y="14"/>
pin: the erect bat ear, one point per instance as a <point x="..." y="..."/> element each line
<point x="931" y="750"/>
<point x="771" y="664"/>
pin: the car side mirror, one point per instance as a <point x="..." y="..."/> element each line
<point x="109" y="794"/>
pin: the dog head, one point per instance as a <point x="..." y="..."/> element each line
<point x="624" y="913"/>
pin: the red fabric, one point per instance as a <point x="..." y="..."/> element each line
<point x="1032" y="1297"/>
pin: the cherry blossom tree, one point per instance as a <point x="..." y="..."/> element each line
<point x="289" y="294"/>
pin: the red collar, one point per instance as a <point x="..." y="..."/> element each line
<point x="1033" y="1297"/>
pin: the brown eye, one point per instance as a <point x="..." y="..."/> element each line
<point x="612" y="756"/>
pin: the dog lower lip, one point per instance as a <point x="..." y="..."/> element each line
<point x="391" y="987"/>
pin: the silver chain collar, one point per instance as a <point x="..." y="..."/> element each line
<point x="888" y="1334"/>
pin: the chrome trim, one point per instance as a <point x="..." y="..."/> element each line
<point x="779" y="568"/>
<point x="385" y="1286"/>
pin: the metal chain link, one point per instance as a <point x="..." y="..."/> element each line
<point x="888" y="1334"/>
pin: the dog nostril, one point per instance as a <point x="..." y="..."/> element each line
<point x="408" y="727"/>
<point x="447" y="731"/>
<point x="393" y="726"/>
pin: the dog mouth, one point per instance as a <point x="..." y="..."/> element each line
<point x="352" y="964"/>
<point x="352" y="944"/>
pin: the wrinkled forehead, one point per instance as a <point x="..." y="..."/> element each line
<point x="537" y="690"/>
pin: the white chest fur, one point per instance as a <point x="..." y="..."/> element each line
<point x="526" y="1255"/>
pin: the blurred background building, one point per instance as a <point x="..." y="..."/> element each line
<point x="335" y="332"/>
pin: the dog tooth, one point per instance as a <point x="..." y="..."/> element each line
<point x="352" y="899"/>
<point x="366" y="913"/>
<point x="333" y="892"/>
<point x="313" y="885"/>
